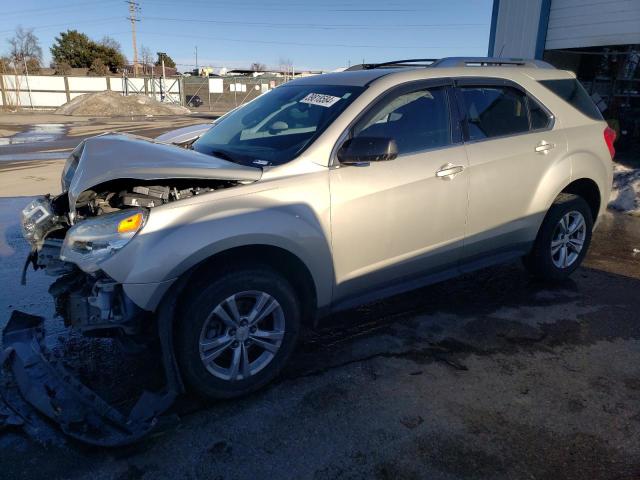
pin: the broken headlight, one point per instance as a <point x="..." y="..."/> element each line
<point x="38" y="219"/>
<point x="93" y="240"/>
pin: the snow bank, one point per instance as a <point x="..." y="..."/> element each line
<point x="625" y="195"/>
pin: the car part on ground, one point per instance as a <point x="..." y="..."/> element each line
<point x="47" y="386"/>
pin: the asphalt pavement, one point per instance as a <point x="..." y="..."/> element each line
<point x="487" y="376"/>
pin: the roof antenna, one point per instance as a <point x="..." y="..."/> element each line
<point x="501" y="50"/>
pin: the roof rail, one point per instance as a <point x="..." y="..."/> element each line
<point x="455" y="62"/>
<point x="490" y="62"/>
<point x="410" y="62"/>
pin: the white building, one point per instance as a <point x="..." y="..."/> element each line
<point x="597" y="39"/>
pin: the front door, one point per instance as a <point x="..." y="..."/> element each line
<point x="394" y="221"/>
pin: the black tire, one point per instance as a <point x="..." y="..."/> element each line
<point x="198" y="305"/>
<point x="539" y="261"/>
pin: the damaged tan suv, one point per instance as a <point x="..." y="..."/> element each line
<point x="327" y="192"/>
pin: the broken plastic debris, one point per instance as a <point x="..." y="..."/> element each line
<point x="48" y="387"/>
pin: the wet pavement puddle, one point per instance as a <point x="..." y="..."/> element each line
<point x="38" y="133"/>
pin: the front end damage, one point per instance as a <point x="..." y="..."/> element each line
<point x="70" y="235"/>
<point x="93" y="304"/>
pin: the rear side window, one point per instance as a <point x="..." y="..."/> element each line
<point x="571" y="91"/>
<point x="494" y="111"/>
<point x="540" y="119"/>
<point x="417" y="120"/>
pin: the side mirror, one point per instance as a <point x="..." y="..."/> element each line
<point x="362" y="150"/>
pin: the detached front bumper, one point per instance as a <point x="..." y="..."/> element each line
<point x="45" y="384"/>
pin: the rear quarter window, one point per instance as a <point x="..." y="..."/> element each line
<point x="572" y="92"/>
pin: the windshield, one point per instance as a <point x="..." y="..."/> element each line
<point x="276" y="127"/>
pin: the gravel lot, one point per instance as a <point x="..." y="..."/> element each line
<point x="489" y="376"/>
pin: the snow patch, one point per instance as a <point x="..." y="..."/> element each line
<point x="625" y="195"/>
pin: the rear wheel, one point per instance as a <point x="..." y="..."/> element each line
<point x="563" y="239"/>
<point x="237" y="332"/>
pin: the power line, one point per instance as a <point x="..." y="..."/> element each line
<point x="56" y="9"/>
<point x="57" y="25"/>
<point x="300" y="44"/>
<point x="298" y="8"/>
<point x="318" y="26"/>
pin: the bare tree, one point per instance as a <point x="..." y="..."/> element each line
<point x="25" y="47"/>
<point x="111" y="42"/>
<point x="286" y="66"/>
<point x="5" y="63"/>
<point x="146" y="59"/>
<point x="258" y="67"/>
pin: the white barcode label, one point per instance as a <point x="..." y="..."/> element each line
<point x="320" y="99"/>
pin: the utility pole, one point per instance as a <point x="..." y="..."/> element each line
<point x="164" y="78"/>
<point x="197" y="69"/>
<point x="134" y="7"/>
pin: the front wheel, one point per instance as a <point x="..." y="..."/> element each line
<point x="237" y="332"/>
<point x="563" y="239"/>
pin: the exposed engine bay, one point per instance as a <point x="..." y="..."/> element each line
<point x="110" y="184"/>
<point x="121" y="194"/>
<point x="90" y="301"/>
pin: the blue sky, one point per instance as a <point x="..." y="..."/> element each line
<point x="323" y="34"/>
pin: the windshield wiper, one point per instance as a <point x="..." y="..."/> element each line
<point x="223" y="155"/>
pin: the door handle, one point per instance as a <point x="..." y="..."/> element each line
<point x="448" y="171"/>
<point x="544" y="147"/>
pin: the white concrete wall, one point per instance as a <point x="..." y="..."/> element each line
<point x="87" y="84"/>
<point x="39" y="99"/>
<point x="34" y="82"/>
<point x="42" y="91"/>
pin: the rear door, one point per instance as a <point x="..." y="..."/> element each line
<point x="511" y="144"/>
<point x="397" y="220"/>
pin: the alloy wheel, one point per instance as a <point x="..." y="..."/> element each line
<point x="568" y="239"/>
<point x="242" y="335"/>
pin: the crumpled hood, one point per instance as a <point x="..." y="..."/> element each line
<point x="114" y="156"/>
<point x="184" y="134"/>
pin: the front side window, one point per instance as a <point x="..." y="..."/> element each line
<point x="494" y="111"/>
<point x="418" y="120"/>
<point x="276" y="127"/>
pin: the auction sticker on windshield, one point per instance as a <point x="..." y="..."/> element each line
<point x="320" y="99"/>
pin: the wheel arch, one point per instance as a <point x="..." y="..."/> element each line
<point x="281" y="260"/>
<point x="587" y="189"/>
<point x="171" y="304"/>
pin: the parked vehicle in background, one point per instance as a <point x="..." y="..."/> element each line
<point x="325" y="193"/>
<point x="193" y="100"/>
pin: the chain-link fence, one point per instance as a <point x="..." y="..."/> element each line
<point x="221" y="94"/>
